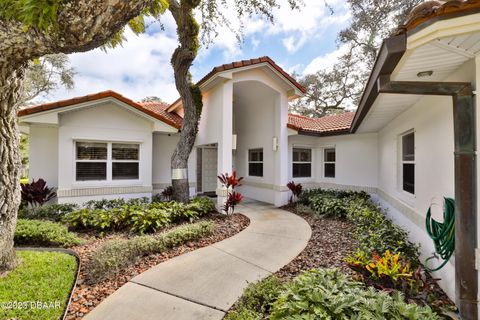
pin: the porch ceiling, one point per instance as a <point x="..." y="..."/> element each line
<point x="443" y="56"/>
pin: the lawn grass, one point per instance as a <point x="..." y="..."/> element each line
<point x="40" y="277"/>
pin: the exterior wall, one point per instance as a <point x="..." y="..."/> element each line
<point x="43" y="154"/>
<point x="106" y="122"/>
<point x="163" y="147"/>
<point x="432" y="120"/>
<point x="356" y="160"/>
<point x="260" y="114"/>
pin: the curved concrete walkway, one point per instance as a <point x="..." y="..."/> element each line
<point x="205" y="283"/>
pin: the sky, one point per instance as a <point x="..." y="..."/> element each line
<point x="301" y="41"/>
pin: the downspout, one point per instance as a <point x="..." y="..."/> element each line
<point x="466" y="276"/>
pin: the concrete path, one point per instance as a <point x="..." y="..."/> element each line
<point x="205" y="283"/>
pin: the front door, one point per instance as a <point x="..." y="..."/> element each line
<point x="209" y="169"/>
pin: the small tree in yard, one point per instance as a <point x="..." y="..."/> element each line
<point x="30" y="29"/>
<point x="233" y="197"/>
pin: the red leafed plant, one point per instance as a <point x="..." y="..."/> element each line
<point x="296" y="190"/>
<point x="233" y="197"/>
<point x="37" y="192"/>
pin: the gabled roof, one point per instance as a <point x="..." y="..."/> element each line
<point x="241" y="64"/>
<point x="250" y="62"/>
<point x="327" y="125"/>
<point x="155" y="110"/>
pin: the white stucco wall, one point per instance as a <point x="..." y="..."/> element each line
<point x="107" y="122"/>
<point x="43" y="154"/>
<point x="432" y="120"/>
<point x="356" y="159"/>
<point x="163" y="147"/>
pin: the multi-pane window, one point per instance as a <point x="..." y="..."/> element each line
<point x="255" y="162"/>
<point x="329" y="163"/>
<point x="125" y="161"/>
<point x="408" y="162"/>
<point x="301" y="163"/>
<point x="102" y="161"/>
<point x="91" y="161"/>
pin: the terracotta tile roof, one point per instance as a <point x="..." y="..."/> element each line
<point x="433" y="10"/>
<point x="246" y="63"/>
<point x="326" y="125"/>
<point x="155" y="111"/>
<point x="250" y="62"/>
<point x="160" y="108"/>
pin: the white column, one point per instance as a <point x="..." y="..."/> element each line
<point x="477" y="106"/>
<point x="281" y="154"/>
<point x="225" y="139"/>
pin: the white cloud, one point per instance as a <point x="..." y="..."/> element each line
<point x="138" y="69"/>
<point x="325" y="61"/>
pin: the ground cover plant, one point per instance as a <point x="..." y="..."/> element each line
<point x="44" y="233"/>
<point x="39" y="276"/>
<point x="53" y="212"/>
<point x="117" y="254"/>
<point x="138" y="216"/>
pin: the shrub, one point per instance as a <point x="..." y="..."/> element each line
<point x="233" y="197"/>
<point x="328" y="294"/>
<point x="167" y="193"/>
<point x="44" y="233"/>
<point x="303" y="209"/>
<point x="296" y="190"/>
<point x="137" y="216"/>
<point x="117" y="254"/>
<point x="257" y="299"/>
<point x="329" y="206"/>
<point x="53" y="212"/>
<point x="37" y="192"/>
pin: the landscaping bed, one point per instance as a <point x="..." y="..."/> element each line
<point x="358" y="264"/>
<point x="39" y="287"/>
<point x="330" y="243"/>
<point x="87" y="295"/>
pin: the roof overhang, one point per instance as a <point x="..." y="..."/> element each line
<point x="441" y="46"/>
<point x="50" y="116"/>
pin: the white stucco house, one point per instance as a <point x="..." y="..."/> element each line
<point x="407" y="143"/>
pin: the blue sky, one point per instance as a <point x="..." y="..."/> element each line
<point x="301" y="41"/>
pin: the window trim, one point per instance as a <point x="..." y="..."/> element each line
<point x="303" y="162"/>
<point x="329" y="162"/>
<point x="109" y="161"/>
<point x="402" y="162"/>
<point x="248" y="162"/>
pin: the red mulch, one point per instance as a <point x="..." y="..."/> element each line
<point x="330" y="243"/>
<point x="87" y="296"/>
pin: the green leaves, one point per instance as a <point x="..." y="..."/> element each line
<point x="44" y="233"/>
<point x="40" y="14"/>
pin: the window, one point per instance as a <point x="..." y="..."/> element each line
<point x="102" y="161"/>
<point x="329" y="163"/>
<point x="255" y="162"/>
<point x="91" y="161"/>
<point x="125" y="161"/>
<point x="408" y="162"/>
<point x="302" y="163"/>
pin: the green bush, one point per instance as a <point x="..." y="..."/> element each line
<point x="44" y="233"/>
<point x="117" y="254"/>
<point x="328" y="294"/>
<point x="373" y="232"/>
<point x="53" y="212"/>
<point x="257" y="299"/>
<point x="137" y="216"/>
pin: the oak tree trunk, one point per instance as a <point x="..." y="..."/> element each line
<point x="82" y="25"/>
<point x="10" y="162"/>
<point x="182" y="58"/>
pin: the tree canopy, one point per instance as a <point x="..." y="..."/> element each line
<point x="332" y="89"/>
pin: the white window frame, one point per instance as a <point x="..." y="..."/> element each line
<point x="303" y="162"/>
<point x="109" y="179"/>
<point x="402" y="162"/>
<point x="324" y="150"/>
<point x="262" y="162"/>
